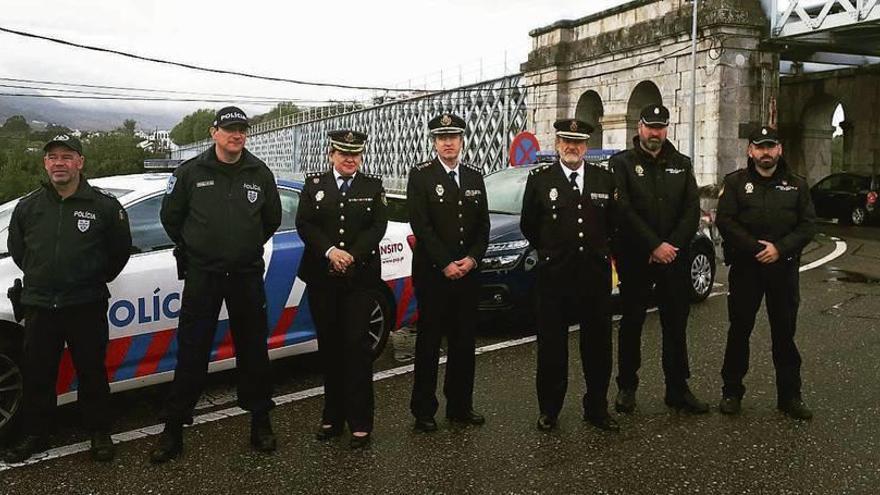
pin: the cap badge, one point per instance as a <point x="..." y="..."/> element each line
<point x="62" y="137"/>
<point x="349" y="138"/>
<point x="656" y="110"/>
<point x="445" y="120"/>
<point x="785" y="183"/>
<point x="553" y="194"/>
<point x="750" y="188"/>
<point x="574" y="125"/>
<point x="763" y="132"/>
<point x="640" y="171"/>
<point x="319" y="195"/>
<point x="439" y="189"/>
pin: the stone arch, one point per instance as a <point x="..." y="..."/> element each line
<point x="590" y="109"/>
<point x="810" y="147"/>
<point x="645" y="93"/>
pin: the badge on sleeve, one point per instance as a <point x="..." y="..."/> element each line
<point x="170" y="187"/>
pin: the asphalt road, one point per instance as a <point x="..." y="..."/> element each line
<point x="657" y="450"/>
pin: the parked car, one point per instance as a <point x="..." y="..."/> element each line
<point x="145" y="298"/>
<point x="847" y="196"/>
<point x="507" y="269"/>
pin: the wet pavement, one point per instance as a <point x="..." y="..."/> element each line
<point x="657" y="450"/>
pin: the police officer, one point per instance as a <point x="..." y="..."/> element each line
<point x="69" y="239"/>
<point x="446" y="199"/>
<point x="659" y="213"/>
<point x="341" y="219"/>
<point x="766" y="218"/>
<point x="219" y="209"/>
<point x="567" y="216"/>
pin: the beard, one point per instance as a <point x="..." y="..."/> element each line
<point x="652" y="144"/>
<point x="766" y="162"/>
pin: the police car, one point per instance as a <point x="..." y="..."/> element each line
<point x="145" y="298"/>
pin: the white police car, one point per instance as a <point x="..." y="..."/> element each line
<point x="145" y="298"/>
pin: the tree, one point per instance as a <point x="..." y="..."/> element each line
<point x="194" y="127"/>
<point x="112" y="153"/>
<point x="280" y="110"/>
<point x="128" y="127"/>
<point x="16" y="124"/>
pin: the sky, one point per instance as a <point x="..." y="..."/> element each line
<point x="386" y="43"/>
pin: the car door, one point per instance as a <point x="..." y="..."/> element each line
<point x="824" y="193"/>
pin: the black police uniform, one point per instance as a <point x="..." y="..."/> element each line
<point x="450" y="222"/>
<point x="777" y="209"/>
<point x="341" y="304"/>
<point x="658" y="202"/>
<point x="220" y="215"/>
<point x="68" y="249"/>
<point x="571" y="231"/>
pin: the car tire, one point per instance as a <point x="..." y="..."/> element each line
<point x="382" y="319"/>
<point x="857" y="216"/>
<point x="702" y="272"/>
<point x="10" y="386"/>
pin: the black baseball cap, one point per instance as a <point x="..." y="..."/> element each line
<point x="227" y="116"/>
<point x="764" y="135"/>
<point x="446" y="123"/>
<point x="655" y="116"/>
<point x="65" y="140"/>
<point x="347" y="141"/>
<point x="573" y="129"/>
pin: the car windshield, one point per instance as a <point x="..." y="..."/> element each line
<point x="504" y="190"/>
<point x="5" y="215"/>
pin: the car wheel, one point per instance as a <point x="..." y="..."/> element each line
<point x="10" y="387"/>
<point x="382" y="319"/>
<point x="858" y="216"/>
<point x="702" y="270"/>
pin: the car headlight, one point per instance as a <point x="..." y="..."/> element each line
<point x="498" y="247"/>
<point x="500" y="262"/>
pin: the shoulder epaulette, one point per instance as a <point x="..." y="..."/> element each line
<point x="540" y="169"/>
<point x="373" y="176"/>
<point x="312" y="175"/>
<point x="603" y="165"/>
<point x="419" y="166"/>
<point x="473" y="167"/>
<point x="618" y="153"/>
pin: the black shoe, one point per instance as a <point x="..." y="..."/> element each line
<point x="262" y="437"/>
<point x="688" y="403"/>
<point x="25" y="448"/>
<point x="102" y="449"/>
<point x="169" y="446"/>
<point x="625" y="401"/>
<point x="359" y="442"/>
<point x="425" y="424"/>
<point x="795" y="408"/>
<point x="546" y="422"/>
<point x="730" y="405"/>
<point x="328" y="432"/>
<point x="602" y="421"/>
<point x="469" y="418"/>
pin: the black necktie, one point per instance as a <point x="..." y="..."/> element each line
<point x="344" y="187"/>
<point x="574" y="185"/>
<point x="452" y="177"/>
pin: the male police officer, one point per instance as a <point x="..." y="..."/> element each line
<point x="567" y="216"/>
<point x="69" y="239"/>
<point x="219" y="209"/>
<point x="449" y="216"/>
<point x="659" y="213"/>
<point x="342" y="218"/>
<point x="766" y="218"/>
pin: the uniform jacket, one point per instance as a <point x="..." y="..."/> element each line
<point x="658" y="199"/>
<point x="68" y="248"/>
<point x="354" y="222"/>
<point x="561" y="224"/>
<point x="777" y="209"/>
<point x="221" y="214"/>
<point x="449" y="222"/>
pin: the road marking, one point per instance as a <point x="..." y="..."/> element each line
<point x="153" y="430"/>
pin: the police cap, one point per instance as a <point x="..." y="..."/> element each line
<point x="655" y="116"/>
<point x="446" y="123"/>
<point x="573" y="129"/>
<point x="228" y="116"/>
<point x="347" y="141"/>
<point x="65" y="140"/>
<point x="764" y="135"/>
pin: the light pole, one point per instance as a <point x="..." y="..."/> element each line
<point x="692" y="148"/>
